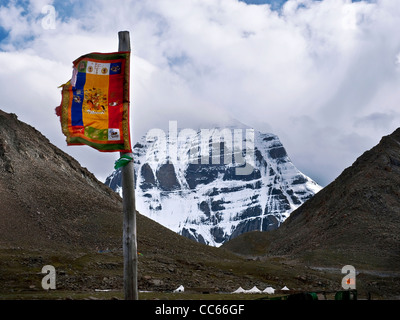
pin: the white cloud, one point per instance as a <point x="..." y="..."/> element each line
<point x="323" y="75"/>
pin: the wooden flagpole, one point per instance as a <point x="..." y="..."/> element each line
<point x="129" y="210"/>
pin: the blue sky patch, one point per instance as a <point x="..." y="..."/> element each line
<point x="3" y="34"/>
<point x="277" y="4"/>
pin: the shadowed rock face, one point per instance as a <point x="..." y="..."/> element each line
<point x="167" y="178"/>
<point x="148" y="181"/>
<point x="211" y="203"/>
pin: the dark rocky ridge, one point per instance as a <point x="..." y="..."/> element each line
<point x="355" y="219"/>
<point x="46" y="195"/>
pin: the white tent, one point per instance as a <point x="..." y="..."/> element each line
<point x="253" y="290"/>
<point x="180" y="289"/>
<point x="269" y="290"/>
<point x="285" y="288"/>
<point x="239" y="290"/>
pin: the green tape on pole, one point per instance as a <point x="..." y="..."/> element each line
<point x="123" y="161"/>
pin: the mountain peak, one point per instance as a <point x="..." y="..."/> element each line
<point x="209" y="197"/>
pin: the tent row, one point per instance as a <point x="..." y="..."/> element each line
<point x="268" y="290"/>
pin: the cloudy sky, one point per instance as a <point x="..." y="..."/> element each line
<point x="322" y="75"/>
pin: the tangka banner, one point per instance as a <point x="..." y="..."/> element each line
<point x="94" y="109"/>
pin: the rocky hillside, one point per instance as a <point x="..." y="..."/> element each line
<point x="47" y="197"/>
<point x="354" y="220"/>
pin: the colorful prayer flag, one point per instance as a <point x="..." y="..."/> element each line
<point x="94" y="109"/>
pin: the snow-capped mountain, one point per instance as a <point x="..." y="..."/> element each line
<point x="213" y="184"/>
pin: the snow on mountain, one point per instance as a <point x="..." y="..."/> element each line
<point x="213" y="184"/>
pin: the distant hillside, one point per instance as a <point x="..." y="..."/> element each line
<point x="354" y="220"/>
